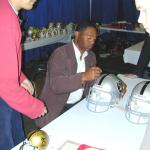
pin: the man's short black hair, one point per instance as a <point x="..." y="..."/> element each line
<point x="82" y="26"/>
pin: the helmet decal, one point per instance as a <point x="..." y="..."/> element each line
<point x="101" y="80"/>
<point x="144" y="87"/>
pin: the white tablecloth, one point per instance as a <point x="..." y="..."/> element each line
<point x="131" y="54"/>
<point x="65" y="38"/>
<point x="109" y="130"/>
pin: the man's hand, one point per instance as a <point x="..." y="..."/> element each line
<point x="28" y="86"/>
<point x="91" y="74"/>
<point x="44" y="112"/>
<point x="124" y="87"/>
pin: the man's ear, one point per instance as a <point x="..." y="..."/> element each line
<point x="76" y="34"/>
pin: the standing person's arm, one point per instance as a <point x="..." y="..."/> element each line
<point x="10" y="64"/>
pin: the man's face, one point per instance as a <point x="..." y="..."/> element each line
<point x="86" y="38"/>
<point x="144" y="7"/>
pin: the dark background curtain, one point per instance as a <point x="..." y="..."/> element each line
<point x="38" y="16"/>
<point x="107" y="11"/>
<point x="130" y="14"/>
<point x="104" y="11"/>
<point x="65" y="11"/>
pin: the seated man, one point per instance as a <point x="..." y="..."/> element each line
<point x="70" y="72"/>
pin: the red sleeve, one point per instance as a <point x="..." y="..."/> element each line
<point x="10" y="61"/>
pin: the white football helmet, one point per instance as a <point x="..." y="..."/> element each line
<point x="105" y="93"/>
<point x="36" y="140"/>
<point x="138" y="105"/>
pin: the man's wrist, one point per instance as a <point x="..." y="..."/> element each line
<point x="83" y="77"/>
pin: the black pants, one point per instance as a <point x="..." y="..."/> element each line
<point x="11" y="130"/>
<point x="144" y="57"/>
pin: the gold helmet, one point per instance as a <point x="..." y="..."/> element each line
<point x="38" y="139"/>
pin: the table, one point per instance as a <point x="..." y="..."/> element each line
<point x="109" y="130"/>
<point x="121" y="30"/>
<point x="64" y="38"/>
<point x="131" y="54"/>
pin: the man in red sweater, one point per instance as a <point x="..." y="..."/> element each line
<point x="15" y="89"/>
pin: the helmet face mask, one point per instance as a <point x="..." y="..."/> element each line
<point x="138" y="106"/>
<point x="105" y="93"/>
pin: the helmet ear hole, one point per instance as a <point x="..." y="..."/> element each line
<point x="105" y="93"/>
<point x="120" y="86"/>
<point x="138" y="105"/>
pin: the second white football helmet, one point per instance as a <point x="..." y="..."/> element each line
<point x="138" y="105"/>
